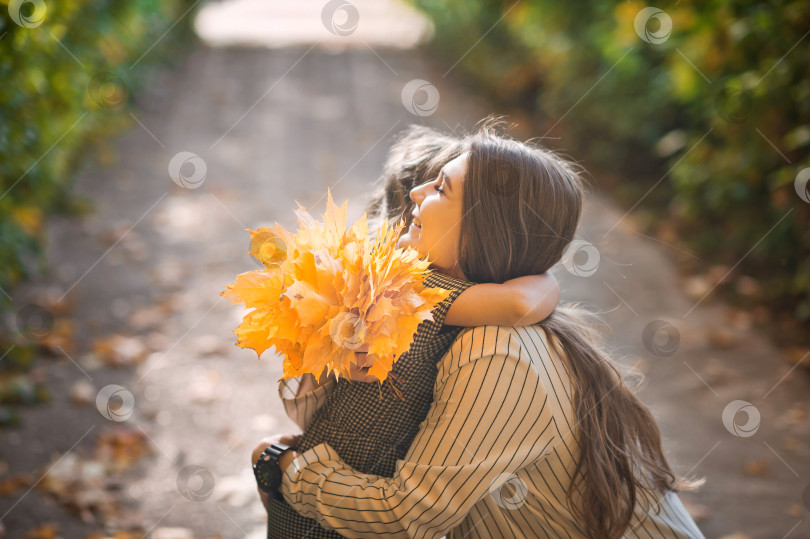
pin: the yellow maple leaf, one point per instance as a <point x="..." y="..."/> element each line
<point x="328" y="290"/>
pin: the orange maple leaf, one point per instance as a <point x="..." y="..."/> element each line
<point x="328" y="290"/>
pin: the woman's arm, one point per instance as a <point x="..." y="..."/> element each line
<point x="489" y="418"/>
<point x="521" y="301"/>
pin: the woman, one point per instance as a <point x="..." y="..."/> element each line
<point x="371" y="427"/>
<point x="532" y="432"/>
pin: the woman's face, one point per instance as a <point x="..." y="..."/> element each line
<point x="436" y="223"/>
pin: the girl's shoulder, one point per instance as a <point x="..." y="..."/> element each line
<point x="435" y="279"/>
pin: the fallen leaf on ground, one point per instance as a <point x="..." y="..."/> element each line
<point x="720" y="337"/>
<point x="83" y="393"/>
<point x="211" y="345"/>
<point x="757" y="467"/>
<point x="795" y="510"/>
<point x="798" y="356"/>
<point x="120" y="350"/>
<point x="43" y="531"/>
<point x="172" y="533"/>
<point x="59" y="340"/>
<point x="120" y="448"/>
<point x="90" y="487"/>
<point x="9" y="486"/>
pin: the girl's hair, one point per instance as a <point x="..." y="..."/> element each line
<point x="415" y="158"/>
<point x="521" y="208"/>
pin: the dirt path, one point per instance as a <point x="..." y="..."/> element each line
<point x="275" y="126"/>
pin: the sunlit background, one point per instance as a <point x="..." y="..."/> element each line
<point x="138" y="141"/>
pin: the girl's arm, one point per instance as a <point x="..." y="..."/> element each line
<point x="302" y="396"/>
<point x="456" y="460"/>
<point x="521" y="301"/>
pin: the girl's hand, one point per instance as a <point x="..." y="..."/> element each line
<point x="359" y="370"/>
<point x="288" y="439"/>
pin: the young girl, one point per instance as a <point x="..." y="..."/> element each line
<point x="371" y="429"/>
<point x="532" y="431"/>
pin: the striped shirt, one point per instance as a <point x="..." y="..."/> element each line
<point x="494" y="457"/>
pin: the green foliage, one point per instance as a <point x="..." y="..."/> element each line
<point x="703" y="107"/>
<point x="68" y="68"/>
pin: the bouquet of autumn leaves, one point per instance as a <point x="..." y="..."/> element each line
<point x="328" y="290"/>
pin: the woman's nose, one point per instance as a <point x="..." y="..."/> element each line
<point x="417" y="194"/>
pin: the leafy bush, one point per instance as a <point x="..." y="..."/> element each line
<point x="68" y="68"/>
<point x="717" y="106"/>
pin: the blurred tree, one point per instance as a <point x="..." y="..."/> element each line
<point x="67" y="72"/>
<point x="711" y="96"/>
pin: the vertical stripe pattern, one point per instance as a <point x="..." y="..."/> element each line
<point x="493" y="458"/>
<point x="369" y="426"/>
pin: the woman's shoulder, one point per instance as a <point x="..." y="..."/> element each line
<point x="480" y="342"/>
<point x="528" y="344"/>
<point x="490" y="340"/>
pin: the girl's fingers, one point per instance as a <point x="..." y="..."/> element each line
<point x="359" y="371"/>
<point x="364" y="361"/>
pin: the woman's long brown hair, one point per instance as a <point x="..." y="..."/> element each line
<point x="521" y="208"/>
